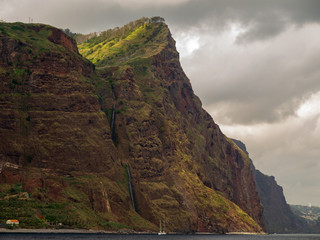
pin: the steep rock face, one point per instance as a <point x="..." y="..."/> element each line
<point x="55" y="140"/>
<point x="69" y="134"/>
<point x="221" y="165"/>
<point x="277" y="215"/>
<point x="179" y="158"/>
<point x="45" y="95"/>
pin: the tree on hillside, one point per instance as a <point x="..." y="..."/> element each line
<point x="157" y="19"/>
<point x="68" y="32"/>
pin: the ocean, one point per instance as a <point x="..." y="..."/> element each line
<point x="85" y="236"/>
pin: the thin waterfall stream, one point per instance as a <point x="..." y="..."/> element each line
<point x="113" y="118"/>
<point x="130" y="187"/>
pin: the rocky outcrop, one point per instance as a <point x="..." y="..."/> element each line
<point x="62" y="39"/>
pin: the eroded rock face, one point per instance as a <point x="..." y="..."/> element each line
<point x="172" y="145"/>
<point x="56" y="115"/>
<point x="62" y="39"/>
<point x="55" y="140"/>
<point x="51" y="118"/>
<point x="229" y="172"/>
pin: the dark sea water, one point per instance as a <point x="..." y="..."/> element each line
<point x="73" y="236"/>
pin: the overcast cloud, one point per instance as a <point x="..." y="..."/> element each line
<point x="253" y="63"/>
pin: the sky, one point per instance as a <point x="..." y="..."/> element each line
<point x="253" y="63"/>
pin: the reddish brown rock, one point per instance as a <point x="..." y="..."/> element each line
<point x="60" y="38"/>
<point x="70" y="131"/>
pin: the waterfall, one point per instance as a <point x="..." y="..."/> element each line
<point x="130" y="187"/>
<point x="113" y="118"/>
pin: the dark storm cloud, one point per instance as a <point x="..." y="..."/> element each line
<point x="261" y="82"/>
<point x="263" y="18"/>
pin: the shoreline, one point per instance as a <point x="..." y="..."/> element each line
<point x="48" y="230"/>
<point x="124" y="232"/>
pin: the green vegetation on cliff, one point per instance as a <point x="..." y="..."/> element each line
<point x="138" y="39"/>
<point x="76" y="206"/>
